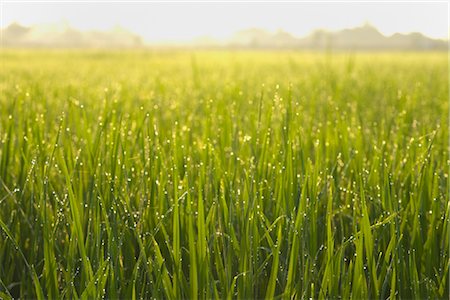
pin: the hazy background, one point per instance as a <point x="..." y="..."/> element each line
<point x="383" y="25"/>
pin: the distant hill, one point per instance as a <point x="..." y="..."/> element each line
<point x="365" y="37"/>
<point x="63" y="36"/>
<point x="260" y="38"/>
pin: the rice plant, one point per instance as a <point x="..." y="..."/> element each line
<point x="231" y="175"/>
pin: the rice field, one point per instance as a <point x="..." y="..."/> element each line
<point x="230" y="175"/>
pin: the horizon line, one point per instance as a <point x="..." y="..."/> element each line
<point x="69" y="25"/>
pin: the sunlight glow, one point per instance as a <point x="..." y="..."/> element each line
<point x="184" y="21"/>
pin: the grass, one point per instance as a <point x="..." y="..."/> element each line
<point x="223" y="175"/>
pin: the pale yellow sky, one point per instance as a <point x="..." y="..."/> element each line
<point x="180" y="21"/>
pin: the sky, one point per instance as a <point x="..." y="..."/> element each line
<point x="183" y="21"/>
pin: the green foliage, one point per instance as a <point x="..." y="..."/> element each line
<point x="223" y="175"/>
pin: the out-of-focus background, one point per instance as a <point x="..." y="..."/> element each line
<point x="354" y="26"/>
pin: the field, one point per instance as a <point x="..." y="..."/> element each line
<point x="207" y="174"/>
